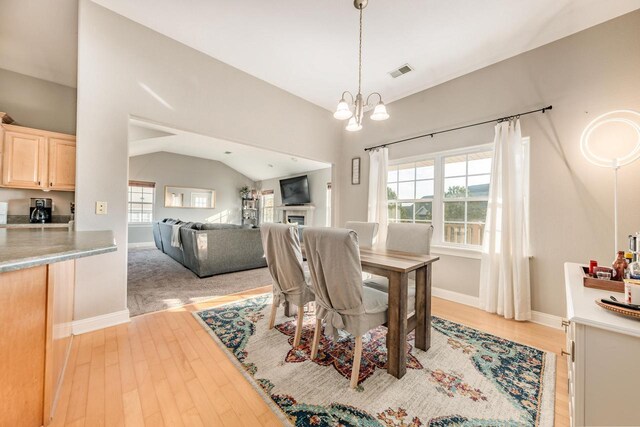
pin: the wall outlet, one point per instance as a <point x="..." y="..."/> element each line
<point x="101" y="208"/>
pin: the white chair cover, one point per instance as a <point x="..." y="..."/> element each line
<point x="408" y="237"/>
<point x="284" y="260"/>
<point x="366" y="231"/>
<point x="342" y="302"/>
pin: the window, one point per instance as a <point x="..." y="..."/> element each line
<point x="449" y="190"/>
<point x="140" y="207"/>
<point x="267" y="203"/>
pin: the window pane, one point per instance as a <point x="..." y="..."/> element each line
<point x="454" y="211"/>
<point x="423" y="211"/>
<point x="392" y="174"/>
<point x="480" y="162"/>
<point x="478" y="186"/>
<point x="454" y="233"/>
<point x="406" y="190"/>
<point x="393" y="212"/>
<point x="147" y="191"/>
<point x="424" y="189"/>
<point x="406" y="212"/>
<point x="455" y="166"/>
<point x="135" y="207"/>
<point x="147" y="207"/>
<point x="455" y="187"/>
<point x="425" y="169"/>
<point x="135" y="217"/>
<point x="392" y="191"/>
<point x="406" y="172"/>
<point x="475" y="232"/>
<point x="135" y="196"/>
<point x="476" y="211"/>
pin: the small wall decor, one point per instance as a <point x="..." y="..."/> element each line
<point x="355" y="171"/>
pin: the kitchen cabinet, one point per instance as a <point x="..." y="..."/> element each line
<point x="38" y="159"/>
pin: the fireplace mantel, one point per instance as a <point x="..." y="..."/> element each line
<point x="302" y="210"/>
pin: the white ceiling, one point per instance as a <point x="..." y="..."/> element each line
<point x="39" y="38"/>
<point x="254" y="163"/>
<point x="309" y="48"/>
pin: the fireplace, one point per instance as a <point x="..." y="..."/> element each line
<point x="295" y="219"/>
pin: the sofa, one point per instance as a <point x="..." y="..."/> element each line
<point x="210" y="249"/>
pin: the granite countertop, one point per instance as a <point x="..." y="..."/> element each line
<point x="28" y="247"/>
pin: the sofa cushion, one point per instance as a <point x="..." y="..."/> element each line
<point x="216" y="226"/>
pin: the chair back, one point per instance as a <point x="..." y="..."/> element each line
<point x="407" y="237"/>
<point x="284" y="259"/>
<point x="336" y="274"/>
<point x="366" y="231"/>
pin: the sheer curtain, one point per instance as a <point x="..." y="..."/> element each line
<point x="378" y="160"/>
<point x="504" y="272"/>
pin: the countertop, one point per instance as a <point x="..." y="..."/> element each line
<point x="29" y="225"/>
<point x="581" y="306"/>
<point x="28" y="247"/>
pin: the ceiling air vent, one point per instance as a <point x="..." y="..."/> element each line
<point x="404" y="69"/>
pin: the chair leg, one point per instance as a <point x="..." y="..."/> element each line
<point x="357" y="355"/>
<point x="296" y="339"/>
<point x="316" y="339"/>
<point x="272" y="319"/>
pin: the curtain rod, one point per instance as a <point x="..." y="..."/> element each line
<point x="431" y="134"/>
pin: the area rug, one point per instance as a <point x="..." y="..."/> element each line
<point x="466" y="378"/>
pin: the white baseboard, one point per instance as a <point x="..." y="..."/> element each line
<point x="90" y="324"/>
<point x="141" y="245"/>
<point x="545" y="319"/>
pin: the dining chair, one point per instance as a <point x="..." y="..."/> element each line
<point x="342" y="302"/>
<point x="366" y="231"/>
<point x="404" y="237"/>
<point x="284" y="260"/>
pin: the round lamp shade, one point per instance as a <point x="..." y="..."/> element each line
<point x="624" y="148"/>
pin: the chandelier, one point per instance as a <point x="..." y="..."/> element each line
<point x="358" y="103"/>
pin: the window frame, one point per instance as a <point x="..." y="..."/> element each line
<point x="264" y="207"/>
<point x="141" y="184"/>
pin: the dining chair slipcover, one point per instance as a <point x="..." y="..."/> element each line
<point x="366" y="231"/>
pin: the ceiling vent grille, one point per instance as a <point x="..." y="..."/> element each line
<point x="404" y="69"/>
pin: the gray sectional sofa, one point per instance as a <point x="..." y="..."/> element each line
<point x="209" y="249"/>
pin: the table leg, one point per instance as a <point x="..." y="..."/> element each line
<point x="423" y="307"/>
<point x="397" y="325"/>
<point x="287" y="309"/>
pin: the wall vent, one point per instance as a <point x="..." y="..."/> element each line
<point x="404" y="69"/>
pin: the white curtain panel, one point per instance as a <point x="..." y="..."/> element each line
<point x="378" y="161"/>
<point x="504" y="272"/>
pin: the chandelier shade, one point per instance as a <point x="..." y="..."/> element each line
<point x="380" y="112"/>
<point x="353" y="125"/>
<point x="343" y="112"/>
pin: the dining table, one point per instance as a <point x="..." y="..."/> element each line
<point x="396" y="266"/>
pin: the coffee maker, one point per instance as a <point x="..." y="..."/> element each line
<point x="40" y="211"/>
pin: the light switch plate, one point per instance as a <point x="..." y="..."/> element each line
<point x="101" y="208"/>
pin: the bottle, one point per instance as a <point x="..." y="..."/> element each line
<point x="620" y="265"/>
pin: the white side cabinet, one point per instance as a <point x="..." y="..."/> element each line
<point x="603" y="358"/>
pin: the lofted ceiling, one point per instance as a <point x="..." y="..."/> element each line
<point x="310" y="48"/>
<point x="254" y="163"/>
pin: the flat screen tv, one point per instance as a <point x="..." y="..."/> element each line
<point x="295" y="191"/>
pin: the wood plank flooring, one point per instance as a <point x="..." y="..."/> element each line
<point x="163" y="369"/>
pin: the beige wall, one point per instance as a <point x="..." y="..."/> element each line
<point x="125" y="69"/>
<point x="186" y="171"/>
<point x="318" y="180"/>
<point x="583" y="75"/>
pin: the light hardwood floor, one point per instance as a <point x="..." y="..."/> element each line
<point x="163" y="369"/>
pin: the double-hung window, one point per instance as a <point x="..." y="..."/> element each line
<point x="449" y="190"/>
<point x="267" y="206"/>
<point x="140" y="206"/>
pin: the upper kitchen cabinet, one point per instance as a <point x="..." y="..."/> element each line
<point x="33" y="158"/>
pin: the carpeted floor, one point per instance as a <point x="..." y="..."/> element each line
<point x="157" y="282"/>
<point x="467" y="377"/>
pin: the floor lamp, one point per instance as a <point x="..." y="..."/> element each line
<point x="626" y="117"/>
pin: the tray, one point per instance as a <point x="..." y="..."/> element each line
<point x="602" y="284"/>
<point x="634" y="314"/>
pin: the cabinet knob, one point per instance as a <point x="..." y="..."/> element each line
<point x="51" y="184"/>
<point x="38" y="182"/>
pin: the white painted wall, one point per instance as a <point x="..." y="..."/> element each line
<point x="186" y="171"/>
<point x="125" y="69"/>
<point x="583" y="75"/>
<point x="318" y="180"/>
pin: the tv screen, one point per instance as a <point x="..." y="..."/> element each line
<point x="295" y="191"/>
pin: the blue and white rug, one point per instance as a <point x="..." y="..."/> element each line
<point x="466" y="378"/>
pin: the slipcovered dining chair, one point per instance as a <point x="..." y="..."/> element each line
<point x="404" y="237"/>
<point x="342" y="302"/>
<point x="284" y="260"/>
<point x="366" y="231"/>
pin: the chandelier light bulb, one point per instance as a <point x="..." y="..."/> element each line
<point x="353" y="125"/>
<point x="380" y="112"/>
<point x="342" y="111"/>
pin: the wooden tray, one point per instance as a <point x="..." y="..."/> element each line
<point x="602" y="284"/>
<point x="634" y="314"/>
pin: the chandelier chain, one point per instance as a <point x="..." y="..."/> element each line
<point x="360" y="55"/>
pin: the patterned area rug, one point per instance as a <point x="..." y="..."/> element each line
<point x="467" y="378"/>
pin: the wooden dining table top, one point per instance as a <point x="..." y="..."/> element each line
<point x="402" y="262"/>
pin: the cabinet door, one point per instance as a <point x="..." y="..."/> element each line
<point x="24" y="160"/>
<point x="62" y="164"/>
